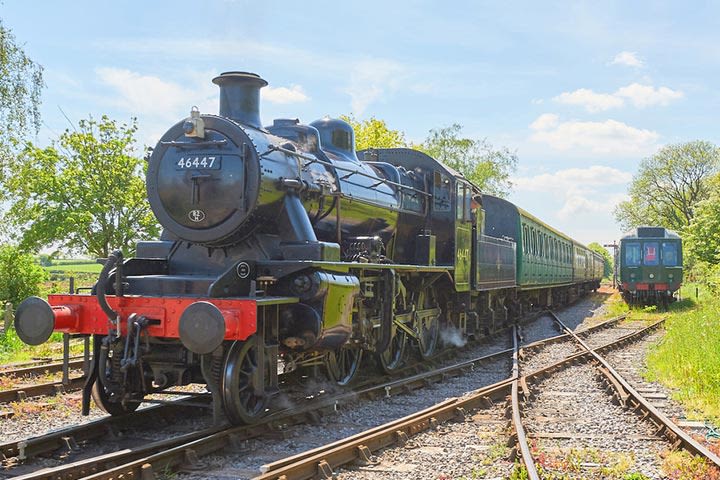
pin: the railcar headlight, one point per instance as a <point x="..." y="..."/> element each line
<point x="670" y="276"/>
<point x="632" y="276"/>
<point x="652" y="275"/>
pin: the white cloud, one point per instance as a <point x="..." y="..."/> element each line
<point x="646" y="95"/>
<point x="150" y="96"/>
<point x="546" y="121"/>
<point x="593" y="102"/>
<point x="577" y="204"/>
<point x="639" y="95"/>
<point x="629" y="59"/>
<point x="596" y="175"/>
<point x="284" y="95"/>
<point x="608" y="137"/>
<point x="582" y="191"/>
<point x="371" y="79"/>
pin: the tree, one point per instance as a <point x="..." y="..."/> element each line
<point x="21" y="83"/>
<point x="481" y="163"/>
<point x="701" y="238"/>
<point x="668" y="186"/>
<point x="85" y="193"/>
<point x="374" y="133"/>
<point x="20" y="276"/>
<point x="607" y="259"/>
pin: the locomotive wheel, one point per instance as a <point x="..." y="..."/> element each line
<point x="427" y="327"/>
<point x="241" y="403"/>
<point x="102" y="399"/>
<point x="343" y="364"/>
<point x="394" y="355"/>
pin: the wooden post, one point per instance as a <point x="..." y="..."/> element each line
<point x="8" y="316"/>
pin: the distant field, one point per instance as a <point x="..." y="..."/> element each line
<point x="81" y="267"/>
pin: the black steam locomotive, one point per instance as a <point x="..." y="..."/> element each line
<point x="281" y="250"/>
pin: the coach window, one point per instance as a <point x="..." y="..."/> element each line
<point x="650" y="253"/>
<point x="632" y="254"/>
<point x="669" y="254"/>
<point x="532" y="241"/>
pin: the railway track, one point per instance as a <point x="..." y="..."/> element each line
<point x="169" y="453"/>
<point x="41" y="390"/>
<point x="325" y="461"/>
<point x="40" y="367"/>
<point x="43" y="366"/>
<point x="78" y="435"/>
<point x="623" y="394"/>
<point x="184" y="450"/>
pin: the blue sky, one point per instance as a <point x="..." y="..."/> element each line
<point x="582" y="90"/>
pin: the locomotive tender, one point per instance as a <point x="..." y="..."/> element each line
<point x="650" y="266"/>
<point x="282" y="249"/>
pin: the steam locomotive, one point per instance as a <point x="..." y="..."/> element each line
<point x="283" y="250"/>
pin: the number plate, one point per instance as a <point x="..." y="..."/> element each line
<point x="199" y="162"/>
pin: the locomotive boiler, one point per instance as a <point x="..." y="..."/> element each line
<point x="283" y="250"/>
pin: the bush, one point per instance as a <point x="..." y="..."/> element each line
<point x="20" y="276"/>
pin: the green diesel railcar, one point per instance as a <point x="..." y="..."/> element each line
<point x="650" y="265"/>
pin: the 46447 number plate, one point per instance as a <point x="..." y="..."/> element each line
<point x="196" y="162"/>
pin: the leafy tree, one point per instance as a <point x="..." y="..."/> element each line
<point x="20" y="276"/>
<point x="85" y="193"/>
<point x="607" y="258"/>
<point x="701" y="238"/>
<point x="481" y="163"/>
<point x="374" y="133"/>
<point x="668" y="186"/>
<point x="21" y="83"/>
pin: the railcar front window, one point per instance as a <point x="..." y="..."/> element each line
<point x="632" y="254"/>
<point x="650" y="253"/>
<point x="669" y="254"/>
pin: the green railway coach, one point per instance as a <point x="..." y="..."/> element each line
<point x="551" y="267"/>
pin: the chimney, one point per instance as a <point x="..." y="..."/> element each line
<point x="240" y="96"/>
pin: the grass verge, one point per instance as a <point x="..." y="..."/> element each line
<point x="687" y="359"/>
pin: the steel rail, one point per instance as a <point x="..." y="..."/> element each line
<point x="40" y="390"/>
<point x="40" y="369"/>
<point x="66" y="437"/>
<point x="520" y="434"/>
<point x="665" y="426"/>
<point x="566" y="336"/>
<point x="34" y="362"/>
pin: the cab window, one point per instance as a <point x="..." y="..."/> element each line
<point x="463" y="202"/>
<point x="632" y="254"/>
<point x="651" y="255"/>
<point x="669" y="254"/>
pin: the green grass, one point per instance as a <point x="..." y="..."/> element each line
<point x="688" y="357"/>
<point x="85" y="273"/>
